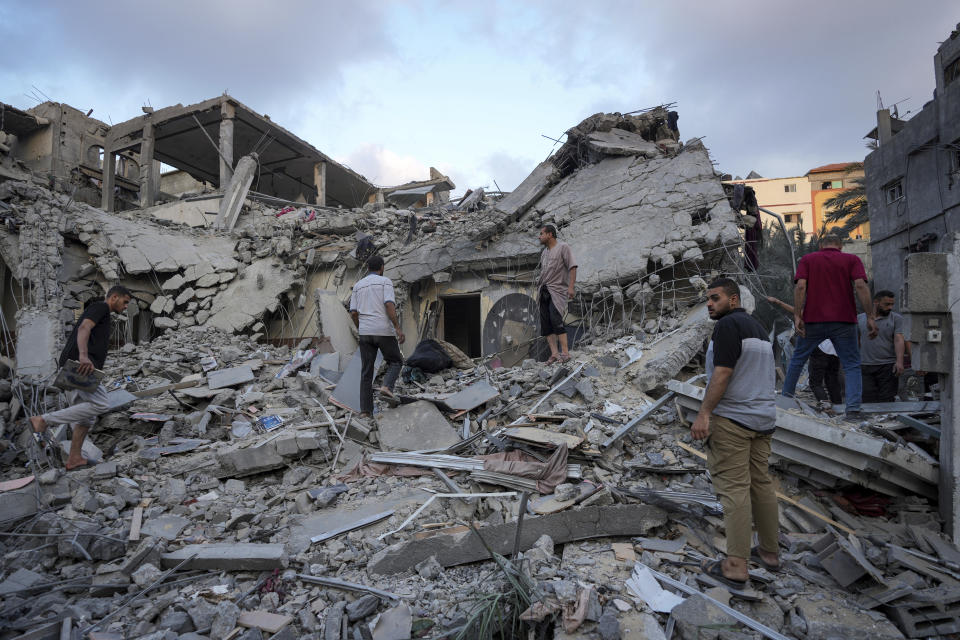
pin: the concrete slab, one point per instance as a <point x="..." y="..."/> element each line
<point x="231" y="377"/>
<point x="472" y="396"/>
<point x="20" y="579"/>
<point x="257" y="289"/>
<point x="36" y="344"/>
<point x="329" y="519"/>
<point x="17" y="504"/>
<point x="334" y="321"/>
<point x="566" y="526"/>
<point x="347" y="391"/>
<point x="167" y="527"/>
<point x="414" y="427"/>
<point x="228" y="557"/>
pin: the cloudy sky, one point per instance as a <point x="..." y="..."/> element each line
<point x="392" y="88"/>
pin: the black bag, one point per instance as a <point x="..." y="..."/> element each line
<point x="429" y="356"/>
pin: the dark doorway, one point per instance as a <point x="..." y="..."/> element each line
<point x="461" y="323"/>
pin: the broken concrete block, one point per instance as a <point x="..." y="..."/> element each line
<point x="416" y="426"/>
<point x="207" y="280"/>
<point x="287" y="446"/>
<point x="696" y="613"/>
<point x="165" y="323"/>
<point x="827" y="618"/>
<point x="174" y="283"/>
<point x="244" y="462"/>
<point x="228" y="557"/>
<point x="185" y="296"/>
<point x="565" y="526"/>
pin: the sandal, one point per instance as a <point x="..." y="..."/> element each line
<point x="563" y="357"/>
<point x="714" y="569"/>
<point x="554" y="358"/>
<point x="757" y="558"/>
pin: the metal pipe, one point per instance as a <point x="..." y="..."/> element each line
<point x="783" y="227"/>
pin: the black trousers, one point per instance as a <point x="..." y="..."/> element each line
<point x="551" y="322"/>
<point x="390" y="348"/>
<point x="880" y="384"/>
<point x="825" y="376"/>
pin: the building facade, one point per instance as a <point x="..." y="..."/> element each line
<point x="913" y="177"/>
<point x="826" y="183"/>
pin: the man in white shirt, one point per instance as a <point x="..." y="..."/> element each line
<point x="374" y="312"/>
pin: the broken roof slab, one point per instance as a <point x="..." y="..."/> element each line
<point x="143" y="247"/>
<point x="286" y="164"/>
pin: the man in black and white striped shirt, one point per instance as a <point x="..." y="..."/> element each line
<point x="737" y="418"/>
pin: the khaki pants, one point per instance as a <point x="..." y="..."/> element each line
<point x="738" y="461"/>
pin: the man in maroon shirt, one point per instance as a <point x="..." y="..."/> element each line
<point x="824" y="309"/>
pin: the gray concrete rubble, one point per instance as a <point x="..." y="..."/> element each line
<point x="241" y="495"/>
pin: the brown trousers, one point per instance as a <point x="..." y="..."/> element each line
<point x="738" y="461"/>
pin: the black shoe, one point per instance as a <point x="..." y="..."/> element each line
<point x="854" y="417"/>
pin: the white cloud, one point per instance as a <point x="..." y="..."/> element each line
<point x="385" y="167"/>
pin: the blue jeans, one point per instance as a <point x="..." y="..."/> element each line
<point x="843" y="335"/>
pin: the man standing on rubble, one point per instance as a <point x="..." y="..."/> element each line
<point x="737" y="417"/>
<point x="374" y="312"/>
<point x="87" y="345"/>
<point x="823" y="308"/>
<point x="882" y="357"/>
<point x="558" y="275"/>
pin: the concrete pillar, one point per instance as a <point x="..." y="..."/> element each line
<point x="950" y="399"/>
<point x="227" y="113"/>
<point x="148" y="188"/>
<point x="884" y="126"/>
<point x="320" y="180"/>
<point x="109" y="178"/>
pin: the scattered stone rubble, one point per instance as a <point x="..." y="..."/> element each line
<point x="238" y="495"/>
<point x="248" y="501"/>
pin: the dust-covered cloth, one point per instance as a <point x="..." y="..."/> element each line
<point x="555" y="265"/>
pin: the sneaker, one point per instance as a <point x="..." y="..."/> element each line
<point x="824" y="405"/>
<point x="854" y="417"/>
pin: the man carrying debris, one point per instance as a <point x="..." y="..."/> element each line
<point x="882" y="358"/>
<point x="558" y="275"/>
<point x="738" y="417"/>
<point x="374" y="312"/>
<point x="823" y="308"/>
<point x="87" y="345"/>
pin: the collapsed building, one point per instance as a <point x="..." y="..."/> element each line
<point x="241" y="496"/>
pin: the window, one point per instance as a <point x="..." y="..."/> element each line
<point x="951" y="72"/>
<point x="789" y="188"/>
<point x="831" y="184"/>
<point x="894" y="191"/>
<point x="792" y="218"/>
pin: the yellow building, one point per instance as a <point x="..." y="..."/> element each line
<point x="789" y="197"/>
<point x="825" y="183"/>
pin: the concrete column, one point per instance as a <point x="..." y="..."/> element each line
<point x="884" y="126"/>
<point x="148" y="188"/>
<point x="109" y="178"/>
<point x="320" y="180"/>
<point x="227" y="113"/>
<point x="950" y="399"/>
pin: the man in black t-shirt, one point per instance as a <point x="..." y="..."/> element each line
<point x="87" y="344"/>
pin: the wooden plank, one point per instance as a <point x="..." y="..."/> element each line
<point x="780" y="496"/>
<point x="137" y="520"/>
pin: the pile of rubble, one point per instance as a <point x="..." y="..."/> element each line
<point x="238" y="496"/>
